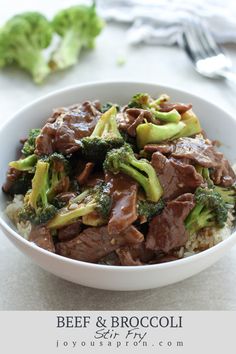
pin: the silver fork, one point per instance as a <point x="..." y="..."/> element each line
<point x="207" y="56"/>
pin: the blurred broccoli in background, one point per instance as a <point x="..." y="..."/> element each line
<point x="78" y="26"/>
<point x="22" y="40"/>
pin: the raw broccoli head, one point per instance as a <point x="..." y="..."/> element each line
<point x="123" y="160"/>
<point x="150" y="209"/>
<point x="78" y="26"/>
<point x="24" y="37"/>
<point x="105" y="137"/>
<point x="210" y="211"/>
<point x="29" y="145"/>
<point x="91" y="200"/>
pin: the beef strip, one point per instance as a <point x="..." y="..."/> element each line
<point x="129" y="119"/>
<point x="175" y="176"/>
<point x="180" y="107"/>
<point x="198" y="151"/>
<point x="165" y="149"/>
<point x="167" y="230"/>
<point x="95" y="243"/>
<point x="12" y="177"/>
<point x="41" y="236"/>
<point x="135" y="254"/>
<point x="202" y="152"/>
<point x="123" y="190"/>
<point x="85" y="174"/>
<point x="62" y="133"/>
<point x="68" y="232"/>
<point x="126" y="258"/>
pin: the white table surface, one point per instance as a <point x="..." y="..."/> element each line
<point x="23" y="285"/>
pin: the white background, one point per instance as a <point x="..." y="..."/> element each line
<point x="23" y="285"/>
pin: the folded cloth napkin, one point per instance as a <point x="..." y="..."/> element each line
<point x="162" y="21"/>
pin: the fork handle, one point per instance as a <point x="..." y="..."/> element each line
<point x="229" y="75"/>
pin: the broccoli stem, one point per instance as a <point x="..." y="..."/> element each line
<point x="26" y="164"/>
<point x="32" y="60"/>
<point x="67" y="52"/>
<point x="39" y="185"/>
<point x="154" y="189"/>
<point x="169" y="117"/>
<point x="149" y="133"/>
<point x="65" y="216"/>
<point x="107" y="124"/>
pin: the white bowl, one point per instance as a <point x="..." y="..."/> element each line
<point x="218" y="125"/>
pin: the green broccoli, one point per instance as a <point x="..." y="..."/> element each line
<point x="105" y="137"/>
<point x="149" y="209"/>
<point x="37" y="208"/>
<point x="91" y="200"/>
<point x="210" y="211"/>
<point x="140" y="100"/>
<point x="149" y="133"/>
<point x="123" y="160"/>
<point x="29" y="145"/>
<point x="22" y="40"/>
<point x="227" y="194"/>
<point x="26" y="164"/>
<point x="78" y="26"/>
<point x="58" y="175"/>
<point x="108" y="105"/>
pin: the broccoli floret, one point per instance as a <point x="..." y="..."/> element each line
<point x="149" y="133"/>
<point x="108" y="105"/>
<point x="91" y="200"/>
<point x="58" y="175"/>
<point x="192" y="125"/>
<point x="150" y="209"/>
<point x="227" y="194"/>
<point x="123" y="160"/>
<point x="105" y="137"/>
<point x="23" y="38"/>
<point x="37" y="208"/>
<point x="140" y="100"/>
<point x="29" y="145"/>
<point x="26" y="164"/>
<point x="210" y="211"/>
<point x="78" y="26"/>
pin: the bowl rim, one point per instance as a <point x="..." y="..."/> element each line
<point x="176" y="263"/>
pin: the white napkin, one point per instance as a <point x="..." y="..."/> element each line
<point x="162" y="21"/>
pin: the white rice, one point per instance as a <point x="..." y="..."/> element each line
<point x="12" y="210"/>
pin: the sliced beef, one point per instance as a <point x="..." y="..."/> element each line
<point x="167" y="230"/>
<point x="126" y="257"/>
<point x="180" y="107"/>
<point x="12" y="177"/>
<point x="95" y="243"/>
<point x="203" y="152"/>
<point x="198" y="151"/>
<point x="135" y="254"/>
<point x="129" y="119"/>
<point x="223" y="175"/>
<point x="41" y="236"/>
<point x="62" y="132"/>
<point x="85" y="174"/>
<point x="175" y="176"/>
<point x="123" y="190"/>
<point x="64" y="197"/>
<point x="165" y="149"/>
<point x="68" y="232"/>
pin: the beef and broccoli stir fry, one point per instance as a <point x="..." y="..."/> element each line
<point x="133" y="185"/>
